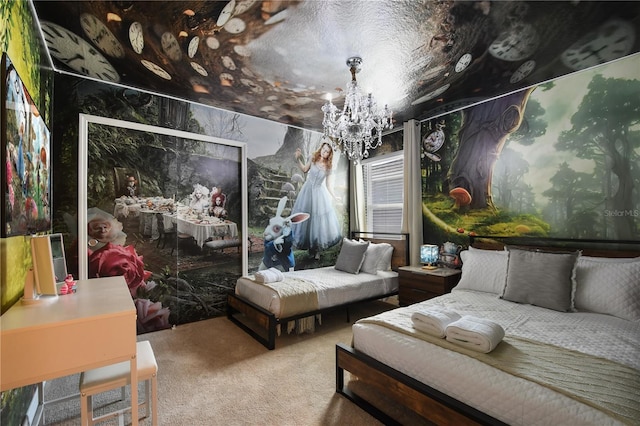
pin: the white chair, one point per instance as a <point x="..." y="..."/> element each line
<point x="115" y="376"/>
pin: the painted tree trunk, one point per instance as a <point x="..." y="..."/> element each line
<point x="483" y="133"/>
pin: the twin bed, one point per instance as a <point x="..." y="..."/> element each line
<point x="263" y="309"/>
<point x="570" y="355"/>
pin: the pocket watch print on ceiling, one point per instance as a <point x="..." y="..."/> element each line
<point x="518" y="43"/>
<point x="76" y="53"/>
<point x="136" y="37"/>
<point x="101" y="36"/>
<point x="611" y="40"/>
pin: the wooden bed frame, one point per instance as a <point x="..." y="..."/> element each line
<point x="424" y="400"/>
<point x="263" y="325"/>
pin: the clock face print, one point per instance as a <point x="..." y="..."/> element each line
<point x="440" y="90"/>
<point x="226" y="13"/>
<point x="235" y="26"/>
<point x="516" y="44"/>
<point x="193" y="46"/>
<point x="433" y="141"/>
<point x="76" y="53"/>
<point x="136" y="37"/>
<point x="523" y="71"/>
<point x="463" y="62"/>
<point x="199" y="69"/>
<point x="156" y="69"/>
<point x="170" y="46"/>
<point x="101" y="36"/>
<point x="612" y="40"/>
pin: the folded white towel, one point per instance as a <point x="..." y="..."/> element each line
<point x="479" y="334"/>
<point x="433" y="320"/>
<point x="270" y="275"/>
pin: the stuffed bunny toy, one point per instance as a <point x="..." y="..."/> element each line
<point x="278" y="243"/>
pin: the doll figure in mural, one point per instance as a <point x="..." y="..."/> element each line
<point x="199" y="198"/>
<point x="132" y="187"/>
<point x="103" y="228"/>
<point x="217" y="208"/>
<point x="316" y="197"/>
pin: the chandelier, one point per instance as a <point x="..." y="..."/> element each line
<point x="358" y="127"/>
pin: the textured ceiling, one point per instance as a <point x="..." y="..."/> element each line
<point x="279" y="59"/>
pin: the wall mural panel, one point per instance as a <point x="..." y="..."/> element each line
<point x="158" y="236"/>
<point x="133" y="175"/>
<point x="555" y="160"/>
<point x="20" y="41"/>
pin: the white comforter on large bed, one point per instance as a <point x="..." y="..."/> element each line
<point x="501" y="395"/>
<point x="333" y="287"/>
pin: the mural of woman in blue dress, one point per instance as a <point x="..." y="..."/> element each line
<point x="316" y="197"/>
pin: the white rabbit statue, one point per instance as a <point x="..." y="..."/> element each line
<point x="278" y="244"/>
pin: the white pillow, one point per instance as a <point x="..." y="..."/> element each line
<point x="377" y="258"/>
<point x="483" y="270"/>
<point x="608" y="286"/>
<point x="351" y="256"/>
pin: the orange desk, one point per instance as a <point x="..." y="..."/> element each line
<point x="68" y="334"/>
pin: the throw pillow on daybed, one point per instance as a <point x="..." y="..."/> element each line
<point x="483" y="270"/>
<point x="351" y="256"/>
<point x="540" y="278"/>
<point x="377" y="258"/>
<point x="608" y="286"/>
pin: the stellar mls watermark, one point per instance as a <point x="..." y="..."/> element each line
<point x="622" y="213"/>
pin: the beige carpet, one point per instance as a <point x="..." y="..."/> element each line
<point x="213" y="373"/>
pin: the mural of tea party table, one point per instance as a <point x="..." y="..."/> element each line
<point x="203" y="228"/>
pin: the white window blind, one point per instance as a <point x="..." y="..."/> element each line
<point x="383" y="191"/>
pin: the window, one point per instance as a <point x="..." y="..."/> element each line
<point x="383" y="180"/>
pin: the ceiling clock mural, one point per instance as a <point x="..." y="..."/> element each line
<point x="278" y="60"/>
<point x="101" y="36"/>
<point x="613" y="39"/>
<point x="78" y="54"/>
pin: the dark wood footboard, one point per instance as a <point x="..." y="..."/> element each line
<point x="262" y="325"/>
<point x="423" y="400"/>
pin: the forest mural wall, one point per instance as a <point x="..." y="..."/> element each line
<point x="556" y="160"/>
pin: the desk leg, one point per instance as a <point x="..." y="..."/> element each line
<point x="134" y="391"/>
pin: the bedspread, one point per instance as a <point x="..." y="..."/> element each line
<point x="296" y="295"/>
<point x="603" y="384"/>
<point x="498" y="393"/>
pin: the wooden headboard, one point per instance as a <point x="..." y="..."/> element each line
<point x="400" y="243"/>
<point x="588" y="247"/>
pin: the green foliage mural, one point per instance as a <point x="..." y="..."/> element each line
<point x="556" y="160"/>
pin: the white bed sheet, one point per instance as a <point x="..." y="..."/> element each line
<point x="508" y="398"/>
<point x="334" y="287"/>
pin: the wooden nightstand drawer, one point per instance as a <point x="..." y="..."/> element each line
<point x="417" y="284"/>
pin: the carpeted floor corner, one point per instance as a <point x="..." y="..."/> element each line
<point x="212" y="373"/>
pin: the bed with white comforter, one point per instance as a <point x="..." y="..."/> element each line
<point x="570" y="352"/>
<point x="506" y="397"/>
<point x="330" y="287"/>
<point x="365" y="270"/>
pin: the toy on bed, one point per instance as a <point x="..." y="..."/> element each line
<point x="278" y="239"/>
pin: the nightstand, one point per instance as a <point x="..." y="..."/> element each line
<point x="417" y="284"/>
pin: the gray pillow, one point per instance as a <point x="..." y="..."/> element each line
<point x="540" y="278"/>
<point x="351" y="256"/>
